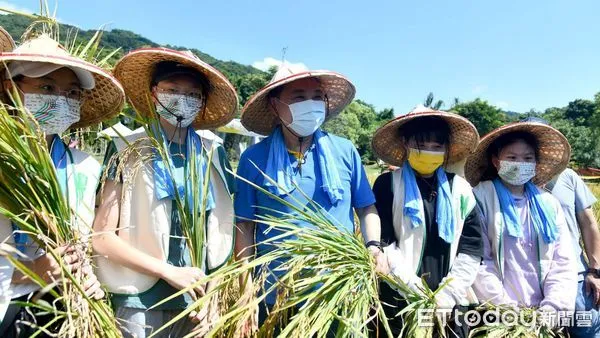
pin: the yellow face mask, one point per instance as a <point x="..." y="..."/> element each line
<point x="425" y="162"/>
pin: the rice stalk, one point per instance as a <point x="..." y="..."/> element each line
<point x="191" y="205"/>
<point x="31" y="197"/>
<point x="90" y="51"/>
<point x="328" y="279"/>
<point x="528" y="325"/>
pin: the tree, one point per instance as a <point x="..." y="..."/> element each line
<point x="385" y="115"/>
<point x="580" y="112"/>
<point x="483" y="115"/>
<point x="429" y="102"/>
<point x="578" y="122"/>
<point x="358" y="123"/>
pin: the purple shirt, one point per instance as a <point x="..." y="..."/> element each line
<point x="521" y="283"/>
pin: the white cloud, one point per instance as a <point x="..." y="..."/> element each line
<point x="479" y="89"/>
<point x="12" y="7"/>
<point x="269" y="62"/>
<point x="502" y="104"/>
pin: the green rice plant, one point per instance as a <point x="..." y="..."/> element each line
<point x="419" y="300"/>
<point x="46" y="23"/>
<point x="90" y="51"/>
<point x="31" y="197"/>
<point x="43" y="23"/>
<point x="192" y="211"/>
<point x="327" y="281"/>
<point x="528" y="325"/>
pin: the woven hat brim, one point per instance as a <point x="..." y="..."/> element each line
<point x="135" y="72"/>
<point x="7" y="44"/>
<point x="257" y="115"/>
<point x="389" y="145"/>
<point x="554" y="153"/>
<point x="102" y="102"/>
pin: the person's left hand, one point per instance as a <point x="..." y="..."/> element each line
<point x="205" y="318"/>
<point x="381" y="262"/>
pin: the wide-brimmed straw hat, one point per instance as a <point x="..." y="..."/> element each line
<point x="136" y="69"/>
<point x="389" y="144"/>
<point x="99" y="103"/>
<point x="554" y="152"/>
<point x="257" y="115"/>
<point x="7" y="43"/>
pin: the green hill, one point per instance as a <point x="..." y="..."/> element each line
<point x="127" y="41"/>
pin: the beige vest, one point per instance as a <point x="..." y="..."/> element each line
<point x="145" y="223"/>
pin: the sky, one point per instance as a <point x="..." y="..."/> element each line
<point x="517" y="55"/>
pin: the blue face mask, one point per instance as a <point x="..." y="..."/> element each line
<point x="307" y="116"/>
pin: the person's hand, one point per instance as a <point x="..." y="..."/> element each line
<point x="249" y="326"/>
<point x="92" y="286"/>
<point x="381" y="261"/>
<point x="592" y="286"/>
<point x="205" y="318"/>
<point x="183" y="277"/>
<point x="444" y="299"/>
<point x="50" y="270"/>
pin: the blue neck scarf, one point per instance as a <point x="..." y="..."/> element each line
<point x="61" y="158"/>
<point x="163" y="182"/>
<point x="279" y="167"/>
<point x="413" y="203"/>
<point x="542" y="215"/>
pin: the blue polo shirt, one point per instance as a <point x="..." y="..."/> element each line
<point x="250" y="203"/>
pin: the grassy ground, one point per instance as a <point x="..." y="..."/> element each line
<point x="373" y="171"/>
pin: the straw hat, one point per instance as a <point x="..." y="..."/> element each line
<point x="389" y="145"/>
<point x="102" y="102"/>
<point x="257" y="114"/>
<point x="554" y="152"/>
<point x="7" y="43"/>
<point x="135" y="71"/>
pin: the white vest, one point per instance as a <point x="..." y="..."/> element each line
<point x="145" y="223"/>
<point x="82" y="181"/>
<point x="490" y="206"/>
<point x="411" y="241"/>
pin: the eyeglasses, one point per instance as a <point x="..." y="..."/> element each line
<point x="73" y="94"/>
<point x="174" y="91"/>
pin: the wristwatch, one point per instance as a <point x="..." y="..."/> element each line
<point x="375" y="244"/>
<point x="594" y="272"/>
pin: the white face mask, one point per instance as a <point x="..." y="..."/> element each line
<point x="307" y="116"/>
<point x="177" y="109"/>
<point x="516" y="173"/>
<point x="55" y="114"/>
